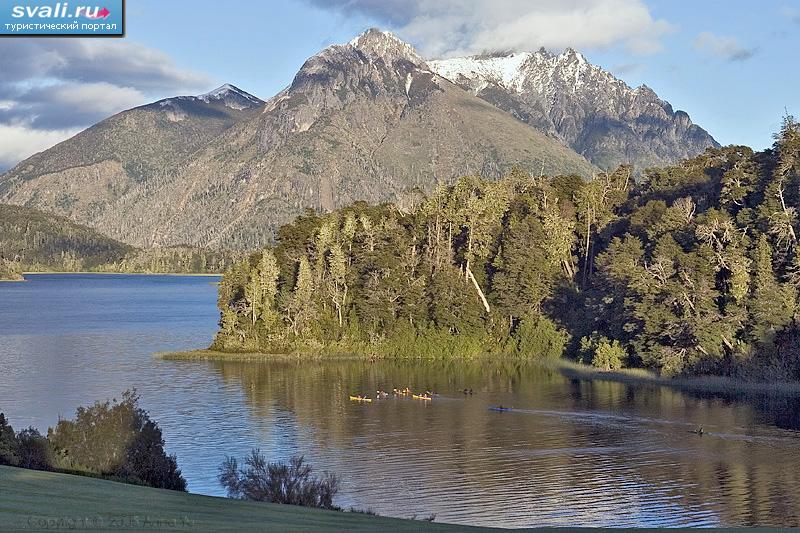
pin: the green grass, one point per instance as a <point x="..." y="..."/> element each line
<point x="32" y="500"/>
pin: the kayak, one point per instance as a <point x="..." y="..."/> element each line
<point x="357" y="399"/>
<point x="418" y="397"/>
<point x="501" y="409"/>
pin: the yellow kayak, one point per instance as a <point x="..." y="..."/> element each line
<point x="359" y="399"/>
<point x="418" y="397"/>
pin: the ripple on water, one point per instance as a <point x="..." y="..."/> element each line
<point x="571" y="453"/>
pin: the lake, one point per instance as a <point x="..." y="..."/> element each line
<point x="571" y="452"/>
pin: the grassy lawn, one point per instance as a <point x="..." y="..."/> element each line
<point x="31" y="500"/>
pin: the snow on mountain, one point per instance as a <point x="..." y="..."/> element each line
<point x="540" y="72"/>
<point x="583" y="105"/>
<point x="231" y="96"/>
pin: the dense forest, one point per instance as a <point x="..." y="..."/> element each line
<point x="692" y="269"/>
<point x="33" y="241"/>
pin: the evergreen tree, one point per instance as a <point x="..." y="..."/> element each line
<point x="268" y="273"/>
<point x="769" y="307"/>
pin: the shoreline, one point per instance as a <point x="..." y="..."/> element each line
<point x="84" y="272"/>
<point x="708" y="384"/>
<point x="205" y="354"/>
<point x="632" y="376"/>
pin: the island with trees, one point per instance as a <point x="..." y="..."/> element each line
<point x="691" y="269"/>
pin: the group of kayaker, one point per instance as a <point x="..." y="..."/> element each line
<point x="380" y="394"/>
<point x="425" y="396"/>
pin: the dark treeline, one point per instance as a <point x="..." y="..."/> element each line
<point x="693" y="269"/>
<point x="34" y="241"/>
<point x="115" y="440"/>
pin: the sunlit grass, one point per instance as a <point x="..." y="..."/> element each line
<point x="46" y="500"/>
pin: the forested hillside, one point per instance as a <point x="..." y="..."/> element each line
<point x="693" y="270"/>
<point x="31" y="240"/>
<point x="38" y="240"/>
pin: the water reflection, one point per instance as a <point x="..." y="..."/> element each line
<point x="571" y="452"/>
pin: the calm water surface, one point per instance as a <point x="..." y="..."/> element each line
<point x="571" y="453"/>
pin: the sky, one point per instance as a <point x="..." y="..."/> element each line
<point x="731" y="65"/>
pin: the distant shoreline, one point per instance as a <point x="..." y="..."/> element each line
<point x="633" y="376"/>
<point x="127" y="273"/>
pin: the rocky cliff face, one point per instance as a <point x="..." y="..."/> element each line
<point x="584" y="106"/>
<point x="367" y="120"/>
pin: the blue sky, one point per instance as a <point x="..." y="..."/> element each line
<point x="731" y="65"/>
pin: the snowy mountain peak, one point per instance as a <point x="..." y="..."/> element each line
<point x="385" y="45"/>
<point x="526" y="72"/>
<point x="231" y="96"/>
<point x="504" y="69"/>
<point x="580" y="103"/>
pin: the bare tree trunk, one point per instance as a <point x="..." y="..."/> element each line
<point x="450" y="241"/>
<point x="478" y="288"/>
<point x="783" y="205"/>
<point x="344" y="302"/>
<point x="586" y="246"/>
<point x="467" y="271"/>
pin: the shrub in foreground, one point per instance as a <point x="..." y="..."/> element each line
<point x="278" y="482"/>
<point x="117" y="439"/>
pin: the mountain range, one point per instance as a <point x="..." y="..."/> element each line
<point x="368" y="120"/>
<point x="582" y="105"/>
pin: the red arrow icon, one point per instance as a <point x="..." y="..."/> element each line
<point x="103" y="13"/>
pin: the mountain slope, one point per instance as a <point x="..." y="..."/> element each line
<point x="84" y="176"/>
<point x="581" y="104"/>
<point x="362" y="121"/>
<point x="367" y="120"/>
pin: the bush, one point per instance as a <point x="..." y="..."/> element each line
<point x="538" y="337"/>
<point x="117" y="439"/>
<point x="278" y="482"/>
<point x="602" y="353"/>
<point x="33" y="450"/>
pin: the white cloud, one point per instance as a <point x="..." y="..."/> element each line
<point x="121" y="63"/>
<point x="454" y="27"/>
<point x="728" y="48"/>
<point x="52" y="88"/>
<point x="69" y="104"/>
<point x="104" y="97"/>
<point x="18" y="142"/>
